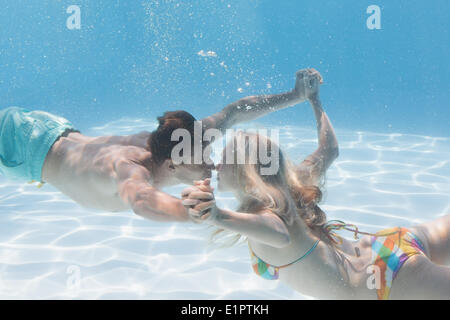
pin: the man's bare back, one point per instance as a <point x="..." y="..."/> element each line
<point x="84" y="168"/>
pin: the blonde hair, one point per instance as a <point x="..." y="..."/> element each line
<point x="282" y="193"/>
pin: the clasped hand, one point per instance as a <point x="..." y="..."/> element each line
<point x="200" y="202"/>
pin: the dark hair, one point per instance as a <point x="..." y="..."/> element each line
<point x="160" y="142"/>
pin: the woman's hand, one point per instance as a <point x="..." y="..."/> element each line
<point x="204" y="212"/>
<point x="307" y="83"/>
<point x="199" y="201"/>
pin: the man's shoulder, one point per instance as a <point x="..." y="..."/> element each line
<point x="132" y="154"/>
<point x="131" y="159"/>
<point x="140" y="139"/>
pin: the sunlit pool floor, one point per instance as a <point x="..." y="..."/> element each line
<point x="47" y="241"/>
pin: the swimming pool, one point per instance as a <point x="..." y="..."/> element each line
<point x="386" y="93"/>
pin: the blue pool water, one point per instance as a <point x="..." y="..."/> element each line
<point x="386" y="92"/>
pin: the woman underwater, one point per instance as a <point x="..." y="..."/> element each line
<point x="290" y="239"/>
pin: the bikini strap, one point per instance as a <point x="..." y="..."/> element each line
<point x="287" y="265"/>
<point x="303" y="256"/>
<point x="334" y="225"/>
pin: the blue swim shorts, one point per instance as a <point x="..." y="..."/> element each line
<point x="25" y="139"/>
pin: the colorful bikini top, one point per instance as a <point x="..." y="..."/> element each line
<point x="269" y="271"/>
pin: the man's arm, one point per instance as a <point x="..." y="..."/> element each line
<point x="316" y="164"/>
<point x="252" y="107"/>
<point x="144" y="199"/>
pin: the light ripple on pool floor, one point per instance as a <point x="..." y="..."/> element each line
<point x="379" y="180"/>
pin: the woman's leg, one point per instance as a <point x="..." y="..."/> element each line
<point x="436" y="237"/>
